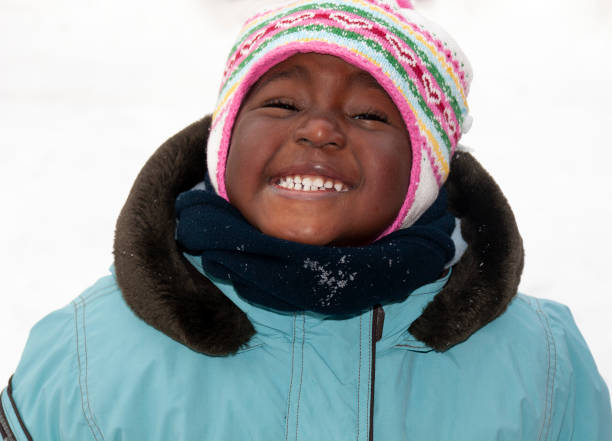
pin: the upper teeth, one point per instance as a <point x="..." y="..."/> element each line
<point x="311" y="183"/>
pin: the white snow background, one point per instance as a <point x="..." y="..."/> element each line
<point x="89" y="88"/>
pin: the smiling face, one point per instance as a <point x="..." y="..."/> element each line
<point x="319" y="154"/>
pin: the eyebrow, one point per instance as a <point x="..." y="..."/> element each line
<point x="295" y="71"/>
<point x="366" y="80"/>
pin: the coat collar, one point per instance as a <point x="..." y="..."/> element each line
<point x="168" y="293"/>
<point x="273" y="325"/>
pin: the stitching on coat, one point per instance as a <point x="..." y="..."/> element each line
<point x="97" y="292"/>
<point x="249" y="348"/>
<point x="76" y="328"/>
<point x="551" y="379"/>
<point x="91" y="297"/>
<point x="87" y="374"/>
<point x="550" y="374"/>
<point x="297" y="420"/>
<point x="371" y="327"/>
<point x="291" y="379"/>
<point x="547" y="370"/>
<point x="359" y="374"/>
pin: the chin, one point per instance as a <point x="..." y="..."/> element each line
<point x="306" y="235"/>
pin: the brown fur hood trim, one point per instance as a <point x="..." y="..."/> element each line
<point x="165" y="291"/>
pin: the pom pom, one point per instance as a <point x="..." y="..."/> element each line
<point x="405" y="4"/>
<point x="467" y="123"/>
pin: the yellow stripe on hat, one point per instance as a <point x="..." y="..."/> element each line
<point x="432" y="48"/>
<point x="424" y="129"/>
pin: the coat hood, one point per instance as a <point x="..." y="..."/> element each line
<point x="167" y="292"/>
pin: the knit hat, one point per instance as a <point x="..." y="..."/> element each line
<point x="418" y="64"/>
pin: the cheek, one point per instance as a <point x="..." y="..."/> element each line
<point x="389" y="169"/>
<point x="255" y="143"/>
<point x="246" y="155"/>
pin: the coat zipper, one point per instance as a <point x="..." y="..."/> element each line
<point x="378" y="320"/>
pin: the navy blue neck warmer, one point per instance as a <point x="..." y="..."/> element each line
<point x="289" y="276"/>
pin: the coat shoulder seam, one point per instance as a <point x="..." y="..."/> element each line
<point x="82" y="364"/>
<point x="551" y="372"/>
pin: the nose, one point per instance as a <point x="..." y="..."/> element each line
<point x="320" y="130"/>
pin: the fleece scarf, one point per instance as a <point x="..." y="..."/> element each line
<point x="289" y="276"/>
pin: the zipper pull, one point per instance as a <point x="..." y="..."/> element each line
<point x="378" y="322"/>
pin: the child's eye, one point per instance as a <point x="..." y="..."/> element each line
<point x="281" y="104"/>
<point x="372" y="115"/>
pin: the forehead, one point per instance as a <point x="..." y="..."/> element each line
<point x="305" y="67"/>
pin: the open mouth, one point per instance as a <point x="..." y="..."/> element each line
<point x="311" y="183"/>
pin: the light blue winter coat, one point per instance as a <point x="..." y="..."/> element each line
<point x="127" y="360"/>
<point x="93" y="371"/>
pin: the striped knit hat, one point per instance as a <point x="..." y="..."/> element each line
<point x="421" y="68"/>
